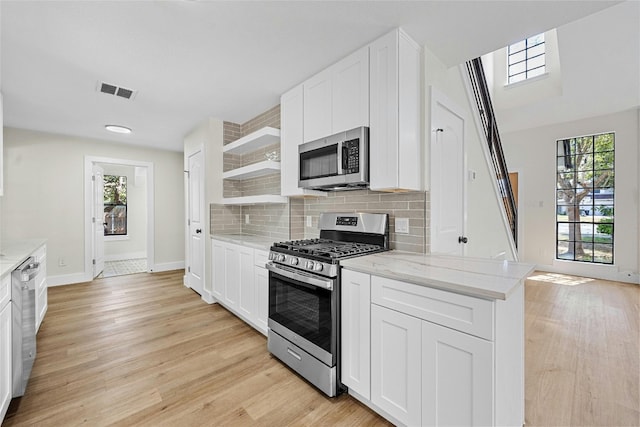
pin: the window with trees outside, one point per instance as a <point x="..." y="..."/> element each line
<point x="115" y="205"/>
<point x="526" y="59"/>
<point x="584" y="199"/>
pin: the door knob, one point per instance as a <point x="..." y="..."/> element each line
<point x="462" y="239"/>
<point x="198" y="230"/>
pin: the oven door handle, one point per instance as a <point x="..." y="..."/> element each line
<point x="320" y="283"/>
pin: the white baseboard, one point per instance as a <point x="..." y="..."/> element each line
<point x="167" y="266"/>
<point x="595" y="271"/>
<point x="66" y="279"/>
<point x="206" y="297"/>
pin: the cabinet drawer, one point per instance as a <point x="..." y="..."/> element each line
<point x="260" y="257"/>
<point x="5" y="290"/>
<point x="463" y="313"/>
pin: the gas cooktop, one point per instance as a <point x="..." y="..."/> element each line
<point x="326" y="248"/>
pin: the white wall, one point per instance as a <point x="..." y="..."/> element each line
<point x="488" y="236"/>
<point x="208" y="136"/>
<point x="134" y="245"/>
<point x="533" y="153"/>
<point x="44" y="196"/>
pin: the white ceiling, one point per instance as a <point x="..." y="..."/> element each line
<point x="190" y="60"/>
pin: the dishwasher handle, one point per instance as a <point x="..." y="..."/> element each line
<point x="28" y="270"/>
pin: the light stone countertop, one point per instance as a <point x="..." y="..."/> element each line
<point x="255" y="242"/>
<point x="12" y="253"/>
<point x="483" y="278"/>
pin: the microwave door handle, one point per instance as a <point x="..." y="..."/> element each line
<point x="340" y="158"/>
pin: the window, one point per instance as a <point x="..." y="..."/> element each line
<point x="584" y="199"/>
<point x="115" y="205"/>
<point x="526" y="59"/>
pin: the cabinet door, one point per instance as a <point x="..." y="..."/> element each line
<point x="396" y="364"/>
<point x="383" y="132"/>
<point x="291" y="135"/>
<point x="395" y="99"/>
<point x="457" y="372"/>
<point x="5" y="359"/>
<point x="356" y="332"/>
<point x="246" y="299"/>
<point x="41" y="292"/>
<point x="219" y="269"/>
<point x="232" y="275"/>
<point x="261" y="283"/>
<point x="317" y="106"/>
<point x="350" y="92"/>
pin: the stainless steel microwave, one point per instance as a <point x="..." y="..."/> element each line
<point x="337" y="162"/>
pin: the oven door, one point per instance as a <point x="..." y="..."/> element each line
<point x="303" y="309"/>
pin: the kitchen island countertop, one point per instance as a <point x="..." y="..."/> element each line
<point x="13" y="252"/>
<point x="255" y="242"/>
<point x="478" y="277"/>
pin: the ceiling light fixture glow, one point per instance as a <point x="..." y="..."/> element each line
<point x="117" y="129"/>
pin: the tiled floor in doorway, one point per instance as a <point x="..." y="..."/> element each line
<point x="122" y="267"/>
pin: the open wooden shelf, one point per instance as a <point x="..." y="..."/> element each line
<point x="255" y="140"/>
<point x="253" y="200"/>
<point x="254" y="170"/>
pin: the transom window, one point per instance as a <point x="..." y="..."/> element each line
<point x="526" y="59"/>
<point x="584" y="198"/>
<point x="115" y="205"/>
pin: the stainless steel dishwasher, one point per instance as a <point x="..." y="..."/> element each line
<point x="23" y="299"/>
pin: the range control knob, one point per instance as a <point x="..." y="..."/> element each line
<point x="272" y="256"/>
<point x="281" y="258"/>
<point x="309" y="265"/>
<point x="293" y="261"/>
<point x="317" y="267"/>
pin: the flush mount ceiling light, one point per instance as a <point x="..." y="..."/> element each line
<point x="117" y="129"/>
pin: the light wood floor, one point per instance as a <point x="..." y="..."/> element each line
<point x="144" y="350"/>
<point x="582" y="352"/>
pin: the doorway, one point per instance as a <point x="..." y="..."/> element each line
<point x="139" y="177"/>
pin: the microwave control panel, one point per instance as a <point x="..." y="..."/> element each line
<point x="351" y="156"/>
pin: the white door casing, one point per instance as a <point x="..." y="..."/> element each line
<point x="98" y="219"/>
<point x="89" y="161"/>
<point x="448" y="190"/>
<point x="196" y="222"/>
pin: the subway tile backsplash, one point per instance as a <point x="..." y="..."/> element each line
<point x="288" y="220"/>
<point x="412" y="205"/>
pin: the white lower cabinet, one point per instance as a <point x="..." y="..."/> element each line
<point x="355" y="309"/>
<point x="409" y="353"/>
<point x="5" y="347"/>
<point x="261" y="281"/>
<point x="457" y="378"/>
<point x="396" y="364"/>
<point x="240" y="282"/>
<point x="219" y="269"/>
<point x="246" y="299"/>
<point x="41" y="286"/>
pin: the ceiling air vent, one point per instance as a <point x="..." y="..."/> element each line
<point x="110" y="89"/>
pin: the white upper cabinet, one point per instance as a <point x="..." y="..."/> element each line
<point x="317" y="106"/>
<point x="291" y="136"/>
<point x="350" y="92"/>
<point x="337" y="98"/>
<point x="395" y="101"/>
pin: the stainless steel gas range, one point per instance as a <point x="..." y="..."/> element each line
<point x="304" y="293"/>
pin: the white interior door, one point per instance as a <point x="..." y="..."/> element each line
<point x="196" y="257"/>
<point x="447" y="177"/>
<point x="98" y="220"/>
